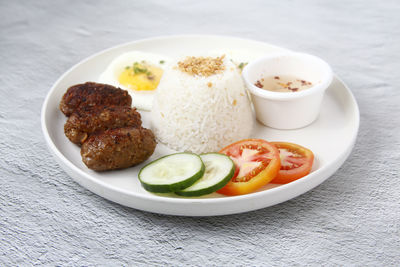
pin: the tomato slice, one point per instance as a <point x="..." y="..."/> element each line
<point x="296" y="162"/>
<point x="257" y="163"/>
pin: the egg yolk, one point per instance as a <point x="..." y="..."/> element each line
<point x="141" y="77"/>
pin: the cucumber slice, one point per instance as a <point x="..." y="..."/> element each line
<point x="171" y="173"/>
<point x="219" y="171"/>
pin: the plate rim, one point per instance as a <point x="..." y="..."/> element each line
<point x="61" y="159"/>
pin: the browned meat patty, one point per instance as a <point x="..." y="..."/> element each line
<point x="85" y="121"/>
<point x="93" y="94"/>
<point x="118" y="148"/>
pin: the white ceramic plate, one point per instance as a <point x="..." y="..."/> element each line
<point x="331" y="137"/>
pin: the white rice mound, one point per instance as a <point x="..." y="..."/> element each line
<point x="189" y="115"/>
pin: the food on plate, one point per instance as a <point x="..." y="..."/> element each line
<point x="219" y="171"/>
<point x="88" y="120"/>
<point x="283" y="83"/>
<point x="117" y="148"/>
<point x="201" y="105"/>
<point x="240" y="168"/>
<point x="242" y="65"/>
<point x="257" y="163"/>
<point x="296" y="162"/>
<point x="93" y="94"/>
<point x="102" y="121"/>
<point x="187" y="174"/>
<point x="139" y="73"/>
<point x="239" y="57"/>
<point x="171" y="173"/>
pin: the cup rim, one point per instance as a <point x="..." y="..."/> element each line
<point x="326" y="79"/>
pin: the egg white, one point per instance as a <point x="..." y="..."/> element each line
<point x="140" y="99"/>
<point x="239" y="56"/>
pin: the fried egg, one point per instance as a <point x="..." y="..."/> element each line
<point x="137" y="72"/>
<point x="240" y="57"/>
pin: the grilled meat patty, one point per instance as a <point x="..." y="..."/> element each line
<point x="93" y="94"/>
<point x="117" y="148"/>
<point x="87" y="120"/>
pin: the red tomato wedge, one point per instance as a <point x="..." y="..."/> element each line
<point x="296" y="162"/>
<point x="257" y="163"/>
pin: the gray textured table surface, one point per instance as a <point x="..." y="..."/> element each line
<point x="351" y="219"/>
